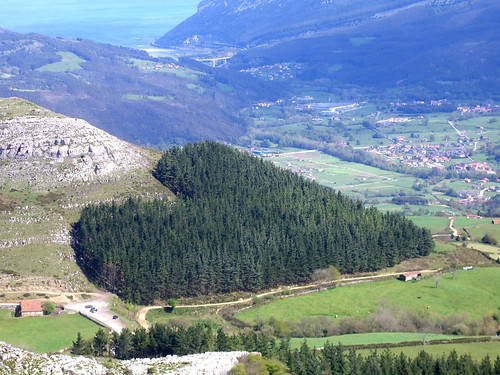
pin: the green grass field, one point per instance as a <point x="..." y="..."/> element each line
<point x="477" y="350"/>
<point x="492" y="251"/>
<point x="479" y="231"/>
<point x="370" y="338"/>
<point x="44" y="334"/>
<point x="69" y="62"/>
<point x="472" y="292"/>
<point x="461" y="222"/>
<point x="434" y="223"/>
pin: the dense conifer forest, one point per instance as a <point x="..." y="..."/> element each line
<point x="238" y="223"/>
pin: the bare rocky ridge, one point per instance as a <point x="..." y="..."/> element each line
<point x="38" y="149"/>
<point x="20" y="362"/>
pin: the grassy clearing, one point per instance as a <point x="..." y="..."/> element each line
<point x="472" y="292"/>
<point x="186" y="317"/>
<point x="479" y="231"/>
<point x="461" y="222"/>
<point x="492" y="251"/>
<point x="147" y="97"/>
<point x="477" y="350"/>
<point x="69" y="62"/>
<point x="434" y="223"/>
<point x="370" y="338"/>
<point x="44" y="334"/>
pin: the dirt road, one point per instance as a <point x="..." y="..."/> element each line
<point x="141" y="314"/>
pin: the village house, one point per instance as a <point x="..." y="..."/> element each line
<point x="30" y="308"/>
<point x="410" y="276"/>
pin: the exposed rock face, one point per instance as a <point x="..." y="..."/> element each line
<point x="19" y="362"/>
<point x="54" y="148"/>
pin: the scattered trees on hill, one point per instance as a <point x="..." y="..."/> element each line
<point x="239" y="223"/>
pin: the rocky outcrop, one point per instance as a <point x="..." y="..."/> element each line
<point x="19" y="362"/>
<point x="59" y="149"/>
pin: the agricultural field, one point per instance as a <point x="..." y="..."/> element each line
<point x="371" y="338"/>
<point x="31" y="333"/>
<point x="479" y="231"/>
<point x="69" y="62"/>
<point x="351" y="178"/>
<point x="434" y="224"/>
<point x="477" y="350"/>
<point x="492" y="251"/>
<point x="186" y="316"/>
<point x="470" y="292"/>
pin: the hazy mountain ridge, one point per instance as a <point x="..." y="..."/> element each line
<point x="447" y="47"/>
<point x="248" y="23"/>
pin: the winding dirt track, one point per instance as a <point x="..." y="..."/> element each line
<point x="141" y="314"/>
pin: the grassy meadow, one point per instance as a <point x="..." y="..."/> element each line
<point x="370" y="338"/>
<point x="472" y="292"/>
<point x="477" y="350"/>
<point x="69" y="62"/>
<point x="32" y="333"/>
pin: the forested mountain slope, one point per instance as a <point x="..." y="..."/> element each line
<point x="239" y="223"/>
<point x="449" y="48"/>
<point x="140" y="99"/>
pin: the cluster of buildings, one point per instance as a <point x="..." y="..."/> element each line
<point x="477" y="109"/>
<point x="274" y="71"/>
<point x="475" y="166"/>
<point x="422" y="155"/>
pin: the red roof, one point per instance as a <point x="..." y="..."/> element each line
<point x="31" y="305"/>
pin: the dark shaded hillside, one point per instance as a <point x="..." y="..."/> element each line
<point x="440" y="48"/>
<point x="109" y="87"/>
<point x="249" y="22"/>
<point x="454" y="50"/>
<point x="240" y="223"/>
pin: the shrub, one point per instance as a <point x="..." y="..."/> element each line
<point x="48" y="308"/>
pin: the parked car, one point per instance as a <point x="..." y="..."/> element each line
<point x="115" y="316"/>
<point x="88" y="306"/>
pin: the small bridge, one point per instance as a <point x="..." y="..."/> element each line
<point x="216" y="60"/>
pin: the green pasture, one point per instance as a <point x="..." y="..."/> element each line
<point x="185" y="316"/>
<point x="478" y="232"/>
<point x="492" y="251"/>
<point x="151" y="66"/>
<point x="147" y="97"/>
<point x="472" y="292"/>
<point x="69" y="62"/>
<point x="436" y="224"/>
<point x="370" y="338"/>
<point x="461" y="222"/>
<point x="195" y="88"/>
<point x="477" y="350"/>
<point x="46" y="333"/>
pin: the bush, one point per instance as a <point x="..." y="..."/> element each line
<point x="48" y="308"/>
<point x="489" y="239"/>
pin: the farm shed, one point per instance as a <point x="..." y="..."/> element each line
<point x="410" y="276"/>
<point x="30" y="307"/>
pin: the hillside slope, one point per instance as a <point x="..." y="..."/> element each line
<point x="50" y="167"/>
<point x="246" y="23"/>
<point x="140" y="99"/>
<point x="448" y="47"/>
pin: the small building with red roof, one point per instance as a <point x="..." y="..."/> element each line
<point x="31" y="307"/>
